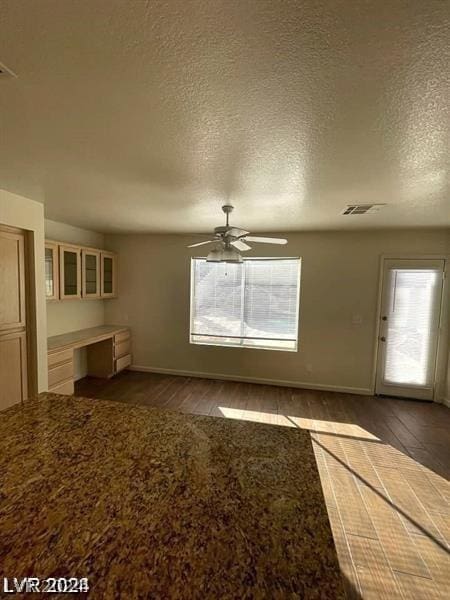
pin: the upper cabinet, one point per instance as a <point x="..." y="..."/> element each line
<point x="109" y="275"/>
<point x="69" y="272"/>
<point x="51" y="271"/>
<point x="77" y="272"/>
<point x="90" y="273"/>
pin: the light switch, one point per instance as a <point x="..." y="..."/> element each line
<point x="356" y="320"/>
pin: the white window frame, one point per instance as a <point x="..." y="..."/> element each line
<point x="241" y="343"/>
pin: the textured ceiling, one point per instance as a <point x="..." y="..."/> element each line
<point x="148" y="116"/>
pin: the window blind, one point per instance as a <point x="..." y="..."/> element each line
<point x="413" y="308"/>
<point x="254" y="303"/>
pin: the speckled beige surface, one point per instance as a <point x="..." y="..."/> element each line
<point x="153" y="504"/>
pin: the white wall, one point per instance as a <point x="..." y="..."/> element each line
<point x="340" y="278"/>
<point x="70" y="315"/>
<point x="17" y="211"/>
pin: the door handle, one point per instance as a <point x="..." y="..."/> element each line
<point x="382" y="338"/>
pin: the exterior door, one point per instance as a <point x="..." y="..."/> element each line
<point x="409" y="327"/>
<point x="13" y="346"/>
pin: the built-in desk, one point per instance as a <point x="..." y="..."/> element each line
<point x="108" y="352"/>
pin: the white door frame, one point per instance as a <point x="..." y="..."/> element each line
<point x="444" y="324"/>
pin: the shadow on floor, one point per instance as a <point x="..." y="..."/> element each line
<point x="383" y="463"/>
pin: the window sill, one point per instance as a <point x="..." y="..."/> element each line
<point x="243" y="346"/>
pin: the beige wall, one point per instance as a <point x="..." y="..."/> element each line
<point x="17" y="211"/>
<point x="71" y="315"/>
<point x="446" y="395"/>
<point x="340" y="277"/>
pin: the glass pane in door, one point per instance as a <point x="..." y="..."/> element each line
<point x="91" y="273"/>
<point x="107" y="275"/>
<point x="49" y="275"/>
<point x="70" y="273"/>
<point x="413" y="303"/>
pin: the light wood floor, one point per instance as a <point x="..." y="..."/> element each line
<point x="384" y="466"/>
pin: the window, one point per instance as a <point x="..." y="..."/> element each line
<point x="253" y="304"/>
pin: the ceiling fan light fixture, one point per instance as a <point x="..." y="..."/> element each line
<point x="231" y="255"/>
<point x="215" y="255"/>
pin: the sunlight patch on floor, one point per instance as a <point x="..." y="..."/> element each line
<point x="316" y="425"/>
<point x="271" y="418"/>
<point x="376" y="493"/>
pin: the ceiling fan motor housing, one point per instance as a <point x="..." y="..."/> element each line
<point x="221" y="229"/>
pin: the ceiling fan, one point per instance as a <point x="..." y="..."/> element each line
<point x="231" y="241"/>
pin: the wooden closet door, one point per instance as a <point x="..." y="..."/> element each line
<point x="12" y="280"/>
<point x="13" y="368"/>
<point x="13" y="346"/>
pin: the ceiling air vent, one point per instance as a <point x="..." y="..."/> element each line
<point x="5" y="72"/>
<point x="361" y="209"/>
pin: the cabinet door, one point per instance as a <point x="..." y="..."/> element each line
<point x="13" y="368"/>
<point x="109" y="275"/>
<point x="51" y="271"/>
<point x="12" y="281"/>
<point x="13" y="346"/>
<point x="70" y="272"/>
<point x="90" y="273"/>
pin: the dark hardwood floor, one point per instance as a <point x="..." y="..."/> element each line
<point x="384" y="465"/>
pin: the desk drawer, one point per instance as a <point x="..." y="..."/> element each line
<point x="60" y="373"/>
<point x="122" y="336"/>
<point x="56" y="358"/>
<point x="122" y="348"/>
<point x="123" y="363"/>
<point x="63" y="388"/>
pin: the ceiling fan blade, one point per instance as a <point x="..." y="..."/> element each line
<point x="236" y="232"/>
<point x="240" y="245"/>
<point x="264" y="240"/>
<point x="202" y="243"/>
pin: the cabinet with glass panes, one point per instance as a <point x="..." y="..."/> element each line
<point x="108" y="275"/>
<point x="69" y="272"/>
<point x="51" y="271"/>
<point x="77" y="272"/>
<point x="90" y="273"/>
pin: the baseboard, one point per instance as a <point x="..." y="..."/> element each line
<point x="446" y="402"/>
<point x="80" y="375"/>
<point x="281" y="382"/>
